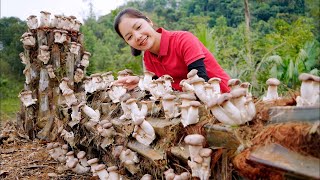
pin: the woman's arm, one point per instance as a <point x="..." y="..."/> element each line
<point x="199" y="65"/>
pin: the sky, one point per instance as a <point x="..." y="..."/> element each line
<point x="78" y="8"/>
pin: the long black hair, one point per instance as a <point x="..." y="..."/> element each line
<point x="133" y="13"/>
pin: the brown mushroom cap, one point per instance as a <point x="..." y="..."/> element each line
<point x="44" y="47"/>
<point x="197" y="80"/>
<point x="245" y="84"/>
<point x="149" y="73"/>
<point x="45" y="12"/>
<point x="50" y="146"/>
<point x="192" y="73"/>
<point x="70" y="153"/>
<point x="72" y="163"/>
<point x="31" y="16"/>
<point x="81" y="154"/>
<point x="238" y="92"/>
<point x="125" y="72"/>
<point x="316" y="78"/>
<point x="305" y="77"/>
<point x="106" y="73"/>
<point x="214" y="79"/>
<point x="194" y="139"/>
<point x="65" y="146"/>
<point x="112" y="168"/>
<point x="234" y="82"/>
<point x="273" y="82"/>
<point x="224" y="97"/>
<point x="100" y="167"/>
<point x="107" y="125"/>
<point x="167" y="77"/>
<point x="93" y="161"/>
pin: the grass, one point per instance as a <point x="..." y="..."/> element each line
<point x="8" y="108"/>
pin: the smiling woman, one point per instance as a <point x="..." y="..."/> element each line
<point x="174" y="53"/>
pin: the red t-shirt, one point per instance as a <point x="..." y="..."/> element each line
<point x="178" y="49"/>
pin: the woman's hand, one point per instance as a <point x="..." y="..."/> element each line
<point x="129" y="82"/>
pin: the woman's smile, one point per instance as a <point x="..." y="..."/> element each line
<point x="144" y="41"/>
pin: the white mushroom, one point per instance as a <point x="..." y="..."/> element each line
<point x="82" y="158"/>
<point x="26" y="98"/>
<point x="102" y="172"/>
<point x="169" y="106"/>
<point x="45" y="19"/>
<point x="129" y="159"/>
<point x="113" y="173"/>
<point x="194" y="141"/>
<point x="78" y="75"/>
<point x="272" y="93"/>
<point x="93" y="163"/>
<point x="76" y="167"/>
<point x="32" y="22"/>
<point x="234" y="83"/>
<point x="50" y="71"/>
<point x="44" y="54"/>
<point x="215" y="83"/>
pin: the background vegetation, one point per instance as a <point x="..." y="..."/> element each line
<point x="252" y="40"/>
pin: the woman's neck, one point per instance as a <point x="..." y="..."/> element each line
<point x="155" y="49"/>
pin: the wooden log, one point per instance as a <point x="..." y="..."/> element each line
<point x="164" y="126"/>
<point x="146" y="151"/>
<point x="29" y="122"/>
<point x="55" y="56"/>
<point x="279" y="114"/>
<point x="221" y="136"/>
<point x="70" y="68"/>
<point x="279" y="157"/>
<point x="42" y="37"/>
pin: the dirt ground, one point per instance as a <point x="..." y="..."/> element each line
<point x="21" y="158"/>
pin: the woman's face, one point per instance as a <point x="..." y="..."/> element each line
<point x="139" y="34"/>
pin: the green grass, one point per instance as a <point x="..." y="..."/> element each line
<point x="8" y="108"/>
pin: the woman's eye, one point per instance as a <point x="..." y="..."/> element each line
<point x="139" y="27"/>
<point x="129" y="37"/>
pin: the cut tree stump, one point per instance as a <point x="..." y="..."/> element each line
<point x="277" y="156"/>
<point x="279" y="114"/>
<point x="146" y="151"/>
<point x="221" y="136"/>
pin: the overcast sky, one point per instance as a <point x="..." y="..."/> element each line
<point x="24" y="8"/>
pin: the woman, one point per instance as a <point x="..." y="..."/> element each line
<point x="166" y="52"/>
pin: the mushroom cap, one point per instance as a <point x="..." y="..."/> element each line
<point x="125" y="72"/>
<point x="131" y="100"/>
<point x="185" y="175"/>
<point x="106" y="73"/>
<point x="195" y="103"/>
<point x="316" y="78"/>
<point x="167" y="77"/>
<point x="224" y="97"/>
<point x="112" y="168"/>
<point x="205" y="152"/>
<point x="65" y="79"/>
<point x="245" y="84"/>
<point x="107" y="125"/>
<point x="234" y="82"/>
<point x="81" y="154"/>
<point x="93" y="161"/>
<point x="214" y="79"/>
<point x="192" y="73"/>
<point x="194" y="139"/>
<point x="74" y="43"/>
<point x="273" y="82"/>
<point x="125" y="97"/>
<point x="238" y="92"/>
<point x="45" y="12"/>
<point x="149" y="73"/>
<point x="207" y="86"/>
<point x="70" y="153"/>
<point x="49" y="66"/>
<point x="104" y="122"/>
<point x="72" y="163"/>
<point x="197" y="80"/>
<point x="189" y="96"/>
<point x="72" y="17"/>
<point x="100" y="167"/>
<point x="26" y="34"/>
<point x="95" y="75"/>
<point x="146" y="177"/>
<point x="305" y="77"/>
<point x="198" y="159"/>
<point x="31" y="16"/>
<point x="169" y="97"/>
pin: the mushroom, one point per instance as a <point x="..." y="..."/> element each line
<point x="190" y="113"/>
<point x="186" y="86"/>
<point x="215" y="83"/>
<point x="272" y="93"/>
<point x="115" y="92"/>
<point x="93" y="114"/>
<point x="234" y="83"/>
<point x="193" y="74"/>
<point x="239" y="101"/>
<point x="198" y="84"/>
<point x="68" y="136"/>
<point x="50" y="71"/>
<point x="186" y="98"/>
<point x="102" y="172"/>
<point x="169" y="174"/>
<point x="93" y="164"/>
<point x="82" y="158"/>
<point x="144" y="83"/>
<point x="77" y="25"/>
<point x="136" y="113"/>
<point x="45" y="19"/>
<point x="44" y="54"/>
<point x="129" y="159"/>
<point x="167" y="82"/>
<point x="125" y="108"/>
<point x="78" y="75"/>
<point x="85" y="59"/>
<point x="124" y="73"/>
<point x="113" y="174"/>
<point x="146" y="177"/>
<point x="232" y="111"/>
<point x="76" y="167"/>
<point x="169" y="106"/>
<point x="73" y="48"/>
<point x="26" y="98"/>
<point x="219" y="113"/>
<point x="27" y="39"/>
<point x="143" y="132"/>
<point x="194" y="141"/>
<point x="205" y="153"/>
<point x="307" y="90"/>
<point x="32" y="22"/>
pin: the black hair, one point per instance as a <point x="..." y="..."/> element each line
<point x="133" y="13"/>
